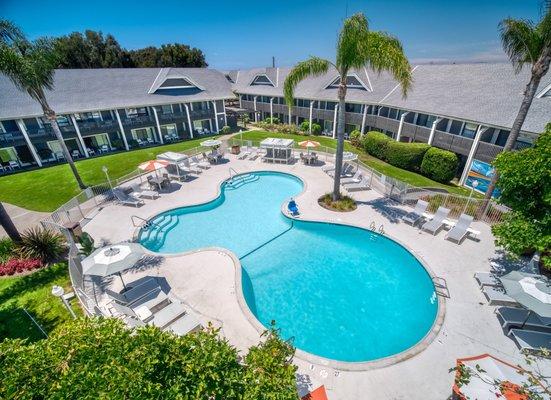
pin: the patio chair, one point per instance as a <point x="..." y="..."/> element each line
<point x="328" y="168"/>
<point x="140" y="142"/>
<point x="200" y="163"/>
<point x="347" y="170"/>
<point x="356" y="187"/>
<point x="487" y="279"/>
<point x="460" y="229"/>
<point x="91" y="152"/>
<point x="14" y="164"/>
<point x="187" y="323"/>
<point x="417" y="214"/>
<point x="254" y="154"/>
<point x="75" y="154"/>
<point x="517" y="317"/>
<point x="357" y="178"/>
<point x="59" y="156"/>
<point x="184" y="169"/>
<point x="135" y="292"/>
<point x="244" y="154"/>
<point x="126" y="199"/>
<point x="531" y="340"/>
<point x="138" y="191"/>
<point x="434" y="225"/>
<point x="192" y="167"/>
<point x="497" y="297"/>
<point x="104" y="148"/>
<point x="150" y="141"/>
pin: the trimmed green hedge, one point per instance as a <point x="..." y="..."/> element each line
<point x="375" y="143"/>
<point x="439" y="165"/>
<point x="406" y="155"/>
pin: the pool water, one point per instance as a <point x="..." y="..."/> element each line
<point x="340" y="292"/>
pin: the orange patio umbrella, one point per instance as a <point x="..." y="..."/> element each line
<point x="308" y="144"/>
<point x="153" y="165"/>
<point x="317" y="394"/>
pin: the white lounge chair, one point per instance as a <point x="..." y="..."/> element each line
<point x="531" y="340"/>
<point x="357" y="178"/>
<point x="135" y="292"/>
<point x="437" y="221"/>
<point x="192" y="167"/>
<point x="254" y="154"/>
<point x="356" y="187"/>
<point x="126" y="199"/>
<point x="138" y="191"/>
<point x="328" y="168"/>
<point x="200" y="163"/>
<point x="487" y="279"/>
<point x="244" y="153"/>
<point x="497" y="297"/>
<point x="460" y="229"/>
<point x="417" y="214"/>
<point x="517" y="317"/>
<point x="346" y="171"/>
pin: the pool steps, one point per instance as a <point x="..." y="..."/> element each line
<point x="154" y="237"/>
<point x="241" y="180"/>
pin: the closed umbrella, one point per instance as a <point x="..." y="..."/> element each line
<point x="532" y="291"/>
<point x="211" y="143"/>
<point x="113" y="259"/>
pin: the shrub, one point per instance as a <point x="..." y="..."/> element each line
<point x="271" y="120"/>
<point x="375" y="143"/>
<point x="14" y="265"/>
<point x="288" y="128"/>
<point x="355" y="138"/>
<point x="439" y="165"/>
<point x="225" y="130"/>
<point x="43" y="244"/>
<point x="117" y="144"/>
<point x="7" y="249"/>
<point x="316" y="129"/>
<point x="406" y="155"/>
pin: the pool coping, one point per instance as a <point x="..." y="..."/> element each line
<point x="301" y="354"/>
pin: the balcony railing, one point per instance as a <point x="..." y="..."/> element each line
<point x="172" y="116"/>
<point x="138" y="121"/>
<point x="97" y="125"/>
<point x="202" y="113"/>
<point x="10" y="138"/>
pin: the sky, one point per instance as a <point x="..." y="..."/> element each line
<point x="240" y="34"/>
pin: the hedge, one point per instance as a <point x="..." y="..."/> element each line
<point x="375" y="143"/>
<point x="406" y="155"/>
<point x="439" y="165"/>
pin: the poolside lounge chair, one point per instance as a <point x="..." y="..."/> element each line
<point x="134" y="293"/>
<point x="254" y="154"/>
<point x="497" y="297"/>
<point x="356" y="187"/>
<point x="417" y="214"/>
<point x="347" y="170"/>
<point x="328" y="168"/>
<point x="126" y="199"/>
<point x="244" y="154"/>
<point x="192" y="167"/>
<point x="437" y="221"/>
<point x="357" y="178"/>
<point x="460" y="229"/>
<point x="138" y="191"/>
<point x="200" y="163"/>
<point x="487" y="279"/>
<point x="517" y="317"/>
<point x="187" y="323"/>
<point x="531" y="340"/>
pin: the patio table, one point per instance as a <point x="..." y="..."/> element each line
<point x="157" y="180"/>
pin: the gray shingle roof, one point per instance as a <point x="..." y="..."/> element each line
<point x="486" y="93"/>
<point x="79" y="90"/>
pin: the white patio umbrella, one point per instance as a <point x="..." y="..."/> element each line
<point x="211" y="143"/>
<point x="113" y="259"/>
<point x="349" y="156"/>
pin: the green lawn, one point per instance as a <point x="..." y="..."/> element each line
<point x="46" y="189"/>
<point x="32" y="292"/>
<point x="406" y="176"/>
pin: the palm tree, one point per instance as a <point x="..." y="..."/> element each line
<point x="357" y="47"/>
<point x="525" y="43"/>
<point x="30" y="66"/>
<point x="7" y="224"/>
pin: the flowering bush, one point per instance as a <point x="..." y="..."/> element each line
<point x="14" y="265"/>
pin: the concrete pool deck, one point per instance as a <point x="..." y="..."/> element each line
<point x="205" y="280"/>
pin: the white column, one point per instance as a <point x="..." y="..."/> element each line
<point x="402" y="117"/>
<point x="470" y="157"/>
<point x="255" y="113"/>
<point x="23" y="130"/>
<point x="189" y="121"/>
<point x="272" y="109"/>
<point x="240" y="99"/>
<point x="290" y="116"/>
<point x="80" y="139"/>
<point x="432" y="129"/>
<point x="310" y="116"/>
<point x="122" y="130"/>
<point x="216" y="116"/>
<point x="158" y="124"/>
<point x="364" y="116"/>
<point x="225" y="116"/>
<point x="335" y="121"/>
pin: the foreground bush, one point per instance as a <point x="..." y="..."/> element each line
<point x="17" y="265"/>
<point x="407" y="156"/>
<point x="271" y="120"/>
<point x="355" y="138"/>
<point x="7" y="249"/>
<point x="439" y="165"/>
<point x="101" y="359"/>
<point x="375" y="143"/>
<point x="40" y="243"/>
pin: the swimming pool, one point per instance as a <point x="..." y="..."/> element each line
<point x="340" y="292"/>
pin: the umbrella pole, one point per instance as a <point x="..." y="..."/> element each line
<point x="526" y="319"/>
<point x="122" y="280"/>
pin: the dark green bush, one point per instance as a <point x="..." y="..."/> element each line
<point x="225" y="130"/>
<point x="316" y="129"/>
<point x="270" y="120"/>
<point x="304" y="126"/>
<point x="406" y="155"/>
<point x="7" y="249"/>
<point x="375" y="143"/>
<point x="43" y="244"/>
<point x="439" y="165"/>
<point x="355" y="138"/>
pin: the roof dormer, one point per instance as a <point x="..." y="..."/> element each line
<point x="168" y="81"/>
<point x="262" y="80"/>
<point x="353" y="81"/>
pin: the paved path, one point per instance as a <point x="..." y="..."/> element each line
<point x="22" y="218"/>
<point x="206" y="281"/>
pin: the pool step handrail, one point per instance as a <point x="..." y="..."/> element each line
<point x="234" y="173"/>
<point x="145" y="223"/>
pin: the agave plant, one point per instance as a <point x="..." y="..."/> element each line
<point x="42" y="244"/>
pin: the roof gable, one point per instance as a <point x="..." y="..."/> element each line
<point x="168" y="81"/>
<point x="353" y="81"/>
<point x="262" y="79"/>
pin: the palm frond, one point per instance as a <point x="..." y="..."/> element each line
<point x="9" y="32"/>
<point x="352" y="38"/>
<point x="520" y="42"/>
<point x="544" y="28"/>
<point x="314" y="66"/>
<point x="383" y="52"/>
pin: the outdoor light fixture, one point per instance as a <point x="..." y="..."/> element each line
<point x="106" y="172"/>
<point x="58" y="291"/>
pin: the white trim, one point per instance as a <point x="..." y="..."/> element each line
<point x="261" y="84"/>
<point x="158" y="125"/>
<point x="155" y="80"/>
<point x="368" y="80"/>
<point x="157" y="86"/>
<point x="545" y="92"/>
<point x="272" y="109"/>
<point x="121" y="127"/>
<point x="433" y="129"/>
<point x="255" y="110"/>
<point x="189" y="121"/>
<point x="396" y="87"/>
<point x="277" y="77"/>
<point x="225" y="116"/>
<point x="23" y="129"/>
<point x="401" y="125"/>
<point x="335" y="121"/>
<point x="81" y="140"/>
<point x="472" y="152"/>
<point x="310" y="117"/>
<point x="2" y="129"/>
<point x="215" y="117"/>
<point x="355" y="75"/>
<point x="364" y="116"/>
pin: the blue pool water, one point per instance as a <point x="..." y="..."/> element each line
<point x="340" y="292"/>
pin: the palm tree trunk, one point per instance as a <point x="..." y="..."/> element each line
<point x="340" y="140"/>
<point x="7" y="224"/>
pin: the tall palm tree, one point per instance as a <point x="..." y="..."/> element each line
<point x="30" y="66"/>
<point x="7" y="224"/>
<point x="525" y="43"/>
<point x="357" y="47"/>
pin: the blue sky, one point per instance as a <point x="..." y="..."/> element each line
<point x="238" y="34"/>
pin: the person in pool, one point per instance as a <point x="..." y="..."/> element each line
<point x="292" y="206"/>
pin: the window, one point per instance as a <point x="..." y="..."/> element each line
<point x="200" y="105"/>
<point x="177" y="83"/>
<point x="136" y="112"/>
<point x="228" y="77"/>
<point x="2" y="129"/>
<point x="331" y="105"/>
<point x="350" y="127"/>
<point x="469" y="130"/>
<point x="322" y="105"/>
<point x="8" y="154"/>
<point x="393" y="113"/>
<point x="384" y="112"/>
<point x="455" y="127"/>
<point x="328" y="125"/>
<point x="353" y="108"/>
<point x="261" y="80"/>
<point x="166" y="109"/>
<point x="422" y="119"/>
<point x="352" y="82"/>
<point x="169" y="131"/>
<point x="143" y="134"/>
